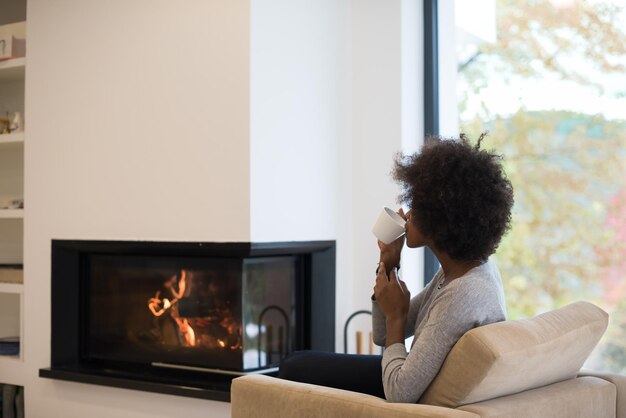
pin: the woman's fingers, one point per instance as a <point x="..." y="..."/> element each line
<point x="381" y="279"/>
<point x="393" y="275"/>
<point x="393" y="278"/>
<point x="382" y="271"/>
<point x="405" y="290"/>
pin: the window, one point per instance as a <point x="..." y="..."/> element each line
<point x="547" y="80"/>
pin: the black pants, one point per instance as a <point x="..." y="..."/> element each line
<point x="358" y="373"/>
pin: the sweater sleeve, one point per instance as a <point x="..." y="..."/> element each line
<point x="407" y="375"/>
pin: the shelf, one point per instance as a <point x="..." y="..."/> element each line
<point x="12" y="69"/>
<point x="12" y="85"/>
<point x="13" y="372"/>
<point x="12" y="139"/>
<point x="11" y="274"/>
<point x="11" y="213"/>
<point x="17" y="288"/>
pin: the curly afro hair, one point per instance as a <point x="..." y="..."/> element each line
<point x="459" y="196"/>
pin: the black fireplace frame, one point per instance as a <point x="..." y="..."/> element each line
<point x="316" y="311"/>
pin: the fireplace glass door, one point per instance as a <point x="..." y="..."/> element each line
<point x="227" y="314"/>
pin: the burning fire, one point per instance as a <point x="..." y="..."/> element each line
<point x="218" y="329"/>
<point x="160" y="306"/>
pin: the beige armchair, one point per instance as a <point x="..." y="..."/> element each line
<point x="527" y="368"/>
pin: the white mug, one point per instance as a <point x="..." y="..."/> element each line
<point x="389" y="226"/>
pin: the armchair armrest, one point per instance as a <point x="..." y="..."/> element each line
<point x="259" y="396"/>
<point x="620" y="384"/>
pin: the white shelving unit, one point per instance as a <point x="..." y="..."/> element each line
<point x="12" y="87"/>
<point x="13" y="69"/>
<point x="12" y="370"/>
<point x="11" y="302"/>
<point x="15" y="288"/>
<point x="11" y="213"/>
<point x="11" y="139"/>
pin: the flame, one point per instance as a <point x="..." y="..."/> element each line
<point x="187" y="331"/>
<point x="218" y="331"/>
<point x="192" y="337"/>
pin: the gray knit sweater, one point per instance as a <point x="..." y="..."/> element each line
<point x="437" y="318"/>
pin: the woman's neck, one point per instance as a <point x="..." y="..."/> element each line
<point x="453" y="269"/>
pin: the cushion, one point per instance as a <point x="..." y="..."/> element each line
<point x="574" y="398"/>
<point x="513" y="356"/>
<point x="258" y="396"/>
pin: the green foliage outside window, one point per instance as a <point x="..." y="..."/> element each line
<point x="568" y="168"/>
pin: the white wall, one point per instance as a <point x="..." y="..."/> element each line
<point x="298" y="117"/>
<point x="376" y="129"/>
<point x="300" y="142"/>
<point x="138" y="128"/>
<point x="247" y="120"/>
<point x="387" y="103"/>
<point x="138" y="115"/>
<point x="448" y="67"/>
<point x="335" y="93"/>
<point x="412" y="270"/>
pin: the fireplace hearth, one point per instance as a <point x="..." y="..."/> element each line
<point x="185" y="318"/>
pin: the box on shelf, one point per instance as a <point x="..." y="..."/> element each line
<point x="13" y="40"/>
<point x="9" y="346"/>
<point x="12" y="47"/>
<point x="11" y="275"/>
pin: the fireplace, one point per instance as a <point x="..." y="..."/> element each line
<point x="185" y="318"/>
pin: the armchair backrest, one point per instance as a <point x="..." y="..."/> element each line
<point x="513" y="356"/>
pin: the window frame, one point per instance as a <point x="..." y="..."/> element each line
<point x="431" y="101"/>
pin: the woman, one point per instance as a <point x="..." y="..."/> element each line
<point x="460" y="204"/>
<point x="460" y="207"/>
